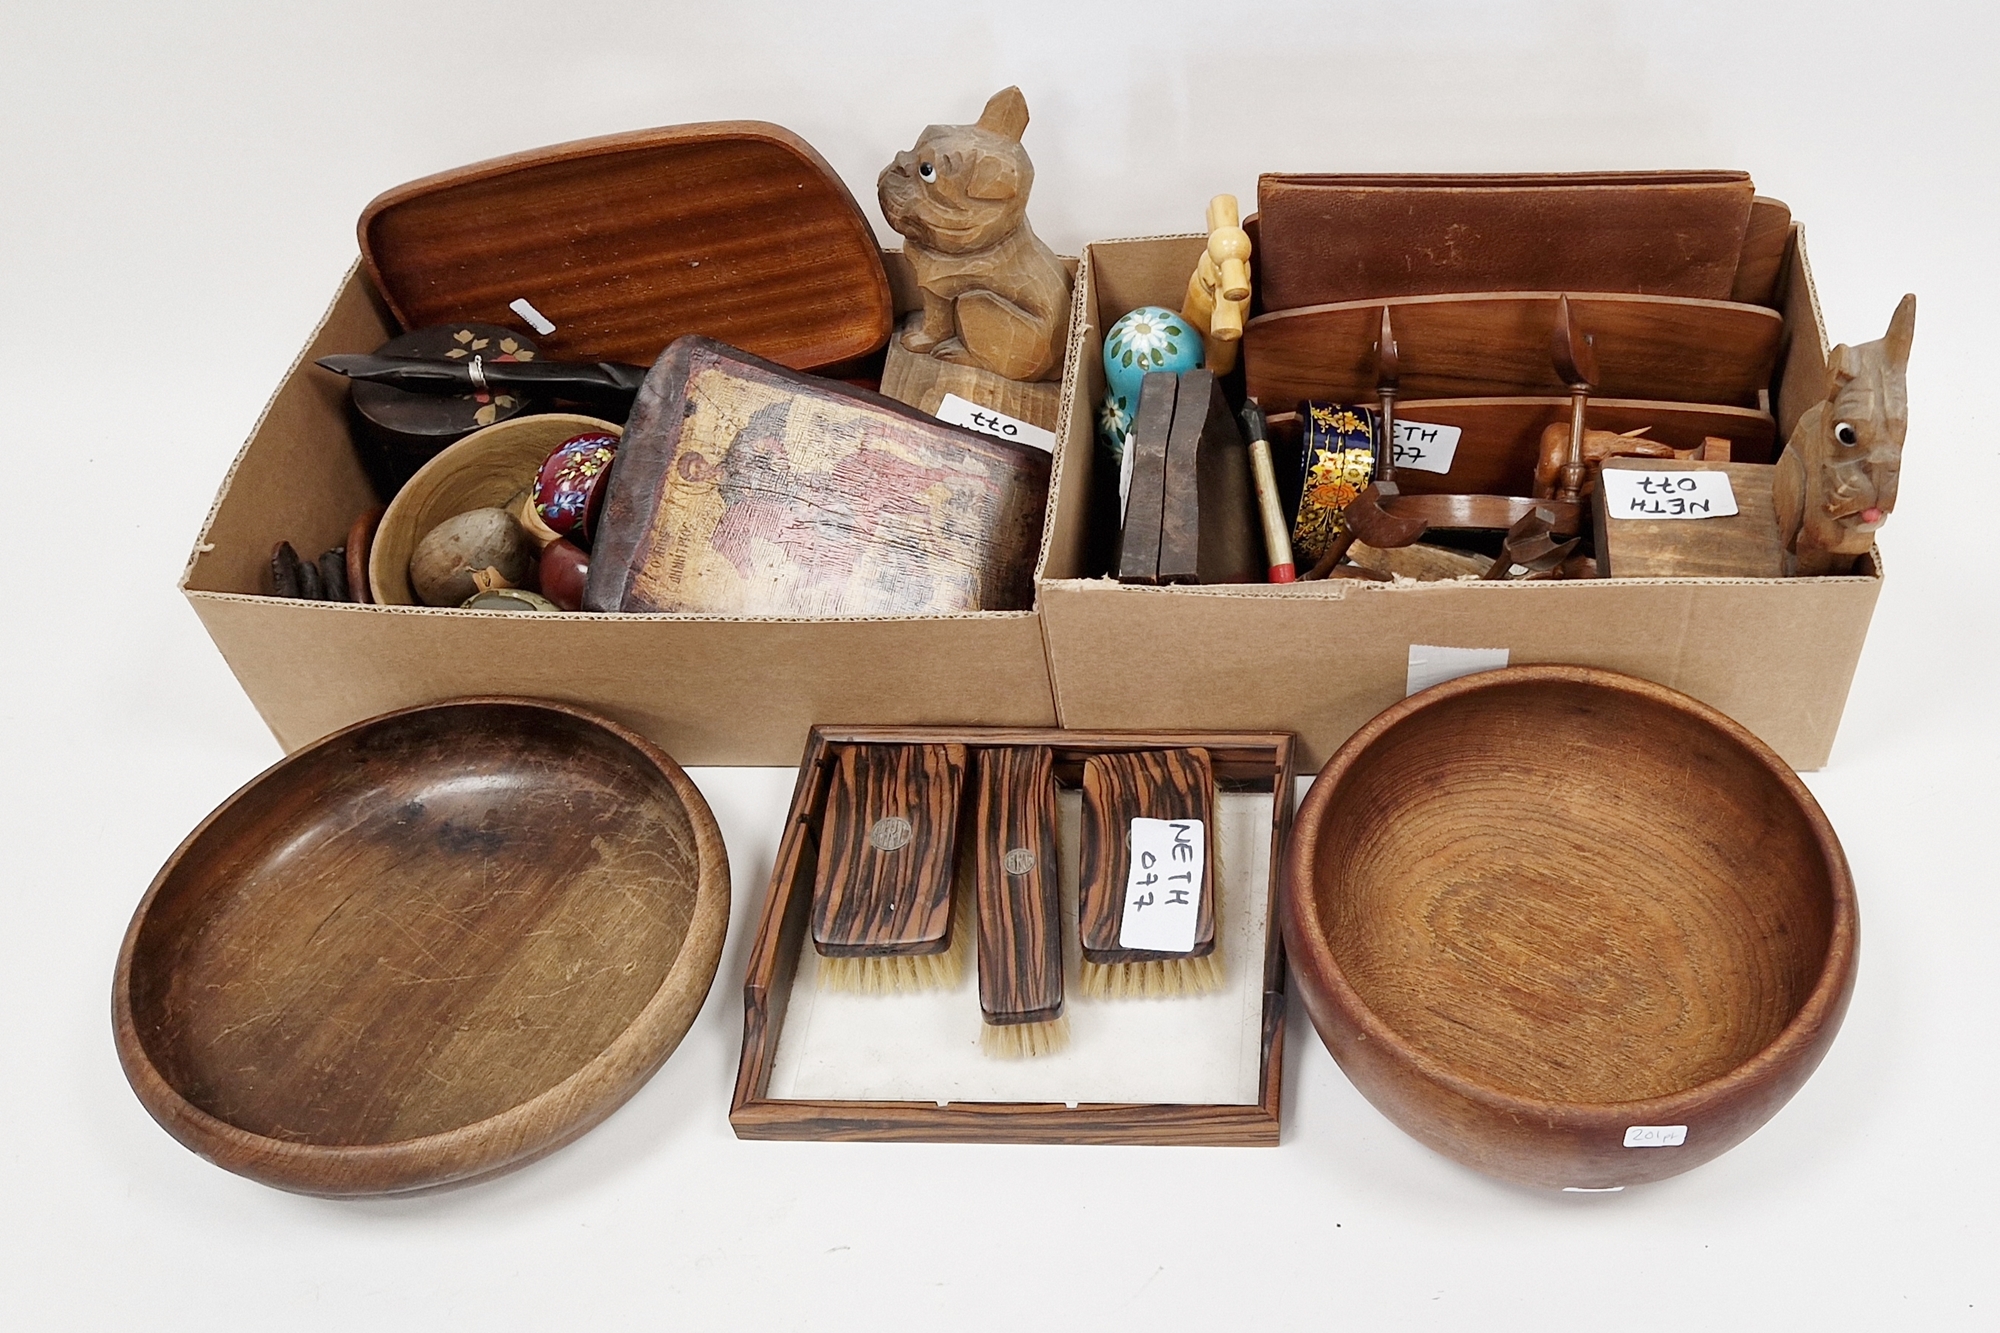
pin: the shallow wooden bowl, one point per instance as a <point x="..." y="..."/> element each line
<point x="426" y="950"/>
<point x="1541" y="913"/>
<point x="487" y="467"/>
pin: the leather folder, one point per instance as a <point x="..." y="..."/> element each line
<point x="1328" y="238"/>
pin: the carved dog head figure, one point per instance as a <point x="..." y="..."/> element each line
<point x="963" y="187"/>
<point x="1837" y="479"/>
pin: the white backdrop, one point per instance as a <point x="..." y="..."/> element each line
<point x="177" y="200"/>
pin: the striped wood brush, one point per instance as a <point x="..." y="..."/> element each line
<point x="882" y="914"/>
<point x="1173" y="785"/>
<point x="1013" y="865"/>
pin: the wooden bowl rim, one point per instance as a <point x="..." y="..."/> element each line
<point x="449" y="459"/>
<point x="479" y="1148"/>
<point x="1307" y="946"/>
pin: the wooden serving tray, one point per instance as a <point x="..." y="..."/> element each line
<point x="1247" y="762"/>
<point x="1501" y="437"/>
<point x="735" y="229"/>
<point x="425" y="950"/>
<point x="1485" y="344"/>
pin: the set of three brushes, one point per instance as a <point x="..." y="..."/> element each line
<point x="912" y="874"/>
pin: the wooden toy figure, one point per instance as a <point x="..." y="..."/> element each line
<point x="994" y="295"/>
<point x="1836" y="481"/>
<point x="1218" y="292"/>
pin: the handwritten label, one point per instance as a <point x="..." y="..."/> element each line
<point x="1630" y="493"/>
<point x="537" y="321"/>
<point x="958" y="411"/>
<point x="1431" y="665"/>
<point x="1656" y="1136"/>
<point x="1425" y="448"/>
<point x="1163" y="888"/>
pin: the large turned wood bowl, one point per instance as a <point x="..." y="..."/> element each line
<point x="1567" y="927"/>
<point x="423" y="951"/>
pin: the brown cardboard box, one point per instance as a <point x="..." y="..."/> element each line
<point x="710" y="690"/>
<point x="1321" y="659"/>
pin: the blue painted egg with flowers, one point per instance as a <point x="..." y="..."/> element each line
<point x="1151" y="338"/>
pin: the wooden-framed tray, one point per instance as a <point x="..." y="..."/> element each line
<point x="427" y="949"/>
<point x="1483" y="344"/>
<point x="866" y="1072"/>
<point x="734" y="229"/>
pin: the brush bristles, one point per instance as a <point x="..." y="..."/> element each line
<point x="893" y="974"/>
<point x="1024" y="1041"/>
<point x="1165" y="979"/>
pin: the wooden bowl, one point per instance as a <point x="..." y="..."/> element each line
<point x="423" y="951"/>
<point x="1552" y="919"/>
<point x="487" y="467"/>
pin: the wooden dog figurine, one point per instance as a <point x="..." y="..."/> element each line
<point x="1836" y="480"/>
<point x="994" y="296"/>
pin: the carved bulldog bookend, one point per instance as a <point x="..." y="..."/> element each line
<point x="995" y="297"/>
<point x="1836" y="480"/>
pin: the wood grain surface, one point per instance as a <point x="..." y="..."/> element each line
<point x="1016" y="884"/>
<point x="887" y="851"/>
<point x="1744" y="545"/>
<point x="1767" y="243"/>
<point x="736" y="230"/>
<point x="425" y="950"/>
<point x="1142" y="530"/>
<point x="1533" y="908"/>
<point x="1487" y="344"/>
<point x="1241" y="761"/>
<point x="1118" y="788"/>
<point x="1209" y="529"/>
<point x="922" y="381"/>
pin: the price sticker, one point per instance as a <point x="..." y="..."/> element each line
<point x="1656" y="1136"/>
<point x="1163" y="887"/>
<point x="958" y="411"/>
<point x="1631" y="493"/>
<point x="1425" y="448"/>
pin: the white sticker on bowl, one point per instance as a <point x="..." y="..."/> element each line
<point x="1631" y="493"/>
<point x="1656" y="1136"/>
<point x="1422" y="447"/>
<point x="1432" y="665"/>
<point x="1163" y="887"/>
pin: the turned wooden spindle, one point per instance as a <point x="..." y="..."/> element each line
<point x="1576" y="365"/>
<point x="1218" y="291"/>
<point x="1386" y="379"/>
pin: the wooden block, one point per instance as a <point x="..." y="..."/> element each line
<point x="886" y="851"/>
<point x="1208" y="505"/>
<point x="923" y="381"/>
<point x="1016" y="884"/>
<point x="1139" y="538"/>
<point x="743" y="488"/>
<point x="1744" y="545"/>
<point x="1119" y="787"/>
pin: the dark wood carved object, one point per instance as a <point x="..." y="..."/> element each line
<point x="1118" y="788"/>
<point x="1015" y="883"/>
<point x="886" y="855"/>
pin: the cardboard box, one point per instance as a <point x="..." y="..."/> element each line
<point x="708" y="689"/>
<point x="1320" y="659"/>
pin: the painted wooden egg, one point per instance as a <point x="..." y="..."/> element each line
<point x="569" y="489"/>
<point x="1151" y="338"/>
